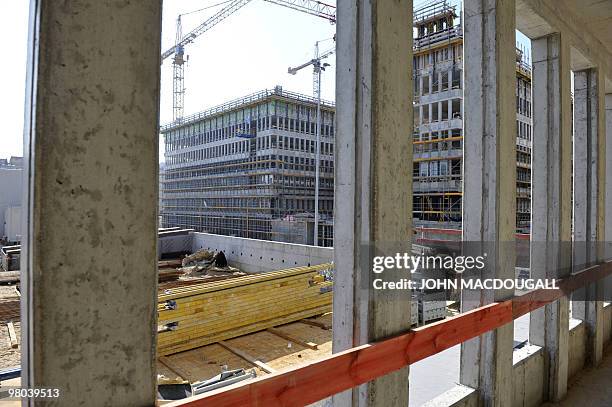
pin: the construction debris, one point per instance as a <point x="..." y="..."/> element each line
<point x="200" y="266"/>
<point x="9" y="258"/>
<point x="13" y="335"/>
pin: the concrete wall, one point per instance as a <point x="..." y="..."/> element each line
<point x="12" y="223"/>
<point x="577" y="347"/>
<point x="458" y="396"/>
<point x="254" y="255"/>
<point x="528" y="376"/>
<point x="10" y="192"/>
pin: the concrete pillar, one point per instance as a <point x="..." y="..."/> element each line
<point x="489" y="162"/>
<point x="420" y="117"/>
<point x="420" y="85"/>
<point x="608" y="199"/>
<point x="89" y="277"/>
<point x="589" y="182"/>
<point x="551" y="211"/>
<point x="608" y="204"/>
<point x="373" y="181"/>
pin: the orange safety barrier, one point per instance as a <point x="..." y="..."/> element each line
<point x="305" y="384"/>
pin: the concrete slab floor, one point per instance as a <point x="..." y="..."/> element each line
<point x="591" y="387"/>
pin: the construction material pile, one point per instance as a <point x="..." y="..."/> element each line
<point x="195" y="268"/>
<point x="206" y="263"/>
<point x="197" y="315"/>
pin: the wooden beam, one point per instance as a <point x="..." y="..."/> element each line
<point x="247" y="357"/>
<point x="12" y="335"/>
<point x="164" y="360"/>
<point x="285" y="335"/>
<point x="318" y="324"/>
<point x="332" y="374"/>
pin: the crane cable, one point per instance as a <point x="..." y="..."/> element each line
<point x="205" y="8"/>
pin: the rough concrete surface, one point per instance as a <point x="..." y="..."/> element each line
<point x="591" y="387"/>
<point x="89" y="256"/>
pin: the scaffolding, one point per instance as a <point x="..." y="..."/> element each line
<point x="438" y="121"/>
<point x="247" y="168"/>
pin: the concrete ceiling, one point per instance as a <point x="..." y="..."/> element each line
<point x="597" y="14"/>
<point x="587" y="24"/>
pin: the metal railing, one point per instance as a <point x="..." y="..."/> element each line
<point x="241" y="102"/>
<point x="306" y="384"/>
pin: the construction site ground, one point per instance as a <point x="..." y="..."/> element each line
<point x="9" y="311"/>
<point x="274" y="351"/>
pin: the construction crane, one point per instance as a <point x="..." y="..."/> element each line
<point x="317" y="68"/>
<point x="312" y="7"/>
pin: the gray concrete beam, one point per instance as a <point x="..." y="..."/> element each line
<point x="537" y="18"/>
<point x="89" y="278"/>
<point x="489" y="189"/>
<point x="373" y="179"/>
<point x="551" y="211"/>
<point x="588" y="199"/>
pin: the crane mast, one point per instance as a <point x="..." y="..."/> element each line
<point x="317" y="68"/>
<point x="312" y="7"/>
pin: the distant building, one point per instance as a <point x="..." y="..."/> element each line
<point x="438" y="121"/>
<point x="247" y="168"/>
<point x="11" y="181"/>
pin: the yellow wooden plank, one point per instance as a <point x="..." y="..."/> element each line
<point x="12" y="335"/>
<point x="247" y="357"/>
<point x="280" y="333"/>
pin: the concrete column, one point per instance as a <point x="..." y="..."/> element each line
<point x="589" y="194"/>
<point x="420" y="116"/>
<point x="608" y="196"/>
<point x="608" y="204"/>
<point x="440" y="111"/>
<point x="89" y="276"/>
<point x="449" y="108"/>
<point x="420" y="85"/>
<point x="373" y="180"/>
<point x="489" y="167"/>
<point x="551" y="211"/>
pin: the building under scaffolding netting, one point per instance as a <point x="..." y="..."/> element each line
<point x="438" y="121"/>
<point x="247" y="168"/>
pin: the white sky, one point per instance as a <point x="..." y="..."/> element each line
<point x="249" y="51"/>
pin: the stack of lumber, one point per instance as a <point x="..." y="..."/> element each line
<point x="168" y="270"/>
<point x="201" y="314"/>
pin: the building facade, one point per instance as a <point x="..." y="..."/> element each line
<point x="11" y="185"/>
<point x="247" y="169"/>
<point x="438" y="121"/>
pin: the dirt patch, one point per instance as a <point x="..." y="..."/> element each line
<point x="9" y="311"/>
<point x="9" y="357"/>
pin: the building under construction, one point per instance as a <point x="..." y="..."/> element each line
<point x="438" y="121"/>
<point x="247" y="168"/>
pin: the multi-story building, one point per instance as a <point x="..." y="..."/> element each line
<point x="438" y="120"/>
<point x="247" y="168"/>
<point x="11" y="184"/>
